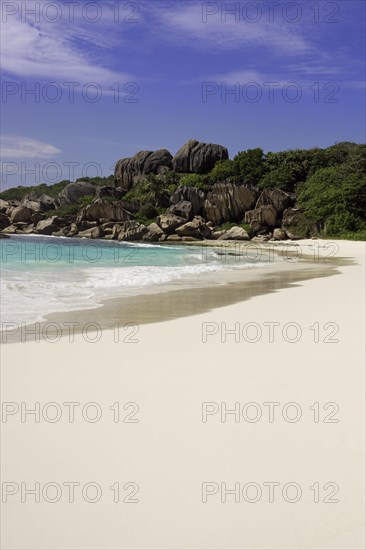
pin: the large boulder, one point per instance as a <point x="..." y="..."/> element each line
<point x="196" y="228"/>
<point x="228" y="202"/>
<point x="235" y="234"/>
<point x="296" y="225"/>
<point x="184" y="194"/>
<point x="130" y="170"/>
<point x="279" y="234"/>
<point x="99" y="209"/>
<point x="4" y="221"/>
<point x="169" y="222"/>
<point x="47" y="227"/>
<point x="264" y="217"/>
<point x="21" y="214"/>
<point x="198" y="157"/>
<point x="132" y="231"/>
<point x="72" y="193"/>
<point x="154" y="233"/>
<point x="183" y="209"/>
<point x="280" y="200"/>
<point x="40" y="203"/>
<point x="4" y="205"/>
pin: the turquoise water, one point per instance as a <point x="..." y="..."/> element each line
<point x="40" y="275"/>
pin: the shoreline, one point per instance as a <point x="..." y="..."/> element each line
<point x="188" y="296"/>
<point x="169" y="370"/>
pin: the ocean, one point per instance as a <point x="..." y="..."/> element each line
<point x="41" y="275"/>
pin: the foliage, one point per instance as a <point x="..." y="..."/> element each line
<point x="18" y="193"/>
<point x="336" y="198"/>
<point x="195" y="180"/>
<point x="62" y="211"/>
<point x="86" y="199"/>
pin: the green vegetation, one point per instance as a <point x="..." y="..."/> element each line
<point x="195" y="180"/>
<point x="66" y="210"/>
<point x="330" y="184"/>
<point x="18" y="193"/>
<point x="228" y="225"/>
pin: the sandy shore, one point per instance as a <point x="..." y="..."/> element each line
<point x="296" y="343"/>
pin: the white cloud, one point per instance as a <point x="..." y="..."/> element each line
<point x="186" y="24"/>
<point x="60" y="51"/>
<point x="24" y="147"/>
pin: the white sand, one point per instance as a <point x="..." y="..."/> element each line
<point x="171" y="452"/>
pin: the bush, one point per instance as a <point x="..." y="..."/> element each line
<point x="194" y="180"/>
<point x="223" y="170"/>
<point x="336" y="198"/>
<point x="66" y="210"/>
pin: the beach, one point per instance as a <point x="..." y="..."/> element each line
<point x="234" y="421"/>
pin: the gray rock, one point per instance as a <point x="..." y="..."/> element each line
<point x="154" y="233"/>
<point x="21" y="214"/>
<point x="100" y="209"/>
<point x="275" y="197"/>
<point x="169" y="222"/>
<point x="190" y="194"/>
<point x="73" y="192"/>
<point x="130" y="170"/>
<point x="4" y="221"/>
<point x="279" y="234"/>
<point x="47" y="227"/>
<point x="198" y="157"/>
<point x="196" y="228"/>
<point x="228" y="202"/>
<point x="183" y="209"/>
<point x="4" y="205"/>
<point x="235" y="234"/>
<point x="261" y="218"/>
<point x="132" y="231"/>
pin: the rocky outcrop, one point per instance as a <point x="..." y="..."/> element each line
<point x="132" y="231"/>
<point x="21" y="214"/>
<point x="264" y="217"/>
<point x="72" y="193"/>
<point x="4" y="205"/>
<point x="154" y="233"/>
<point x="187" y="202"/>
<point x="101" y="209"/>
<point x="196" y="228"/>
<point x="47" y="227"/>
<point x="169" y="222"/>
<point x="198" y="158"/>
<point x="296" y="225"/>
<point x="4" y="221"/>
<point x="235" y="234"/>
<point x="279" y="234"/>
<point x="38" y="204"/>
<point x="280" y="200"/>
<point x="228" y="202"/>
<point x="130" y="170"/>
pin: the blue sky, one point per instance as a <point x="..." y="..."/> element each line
<point x="295" y="71"/>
